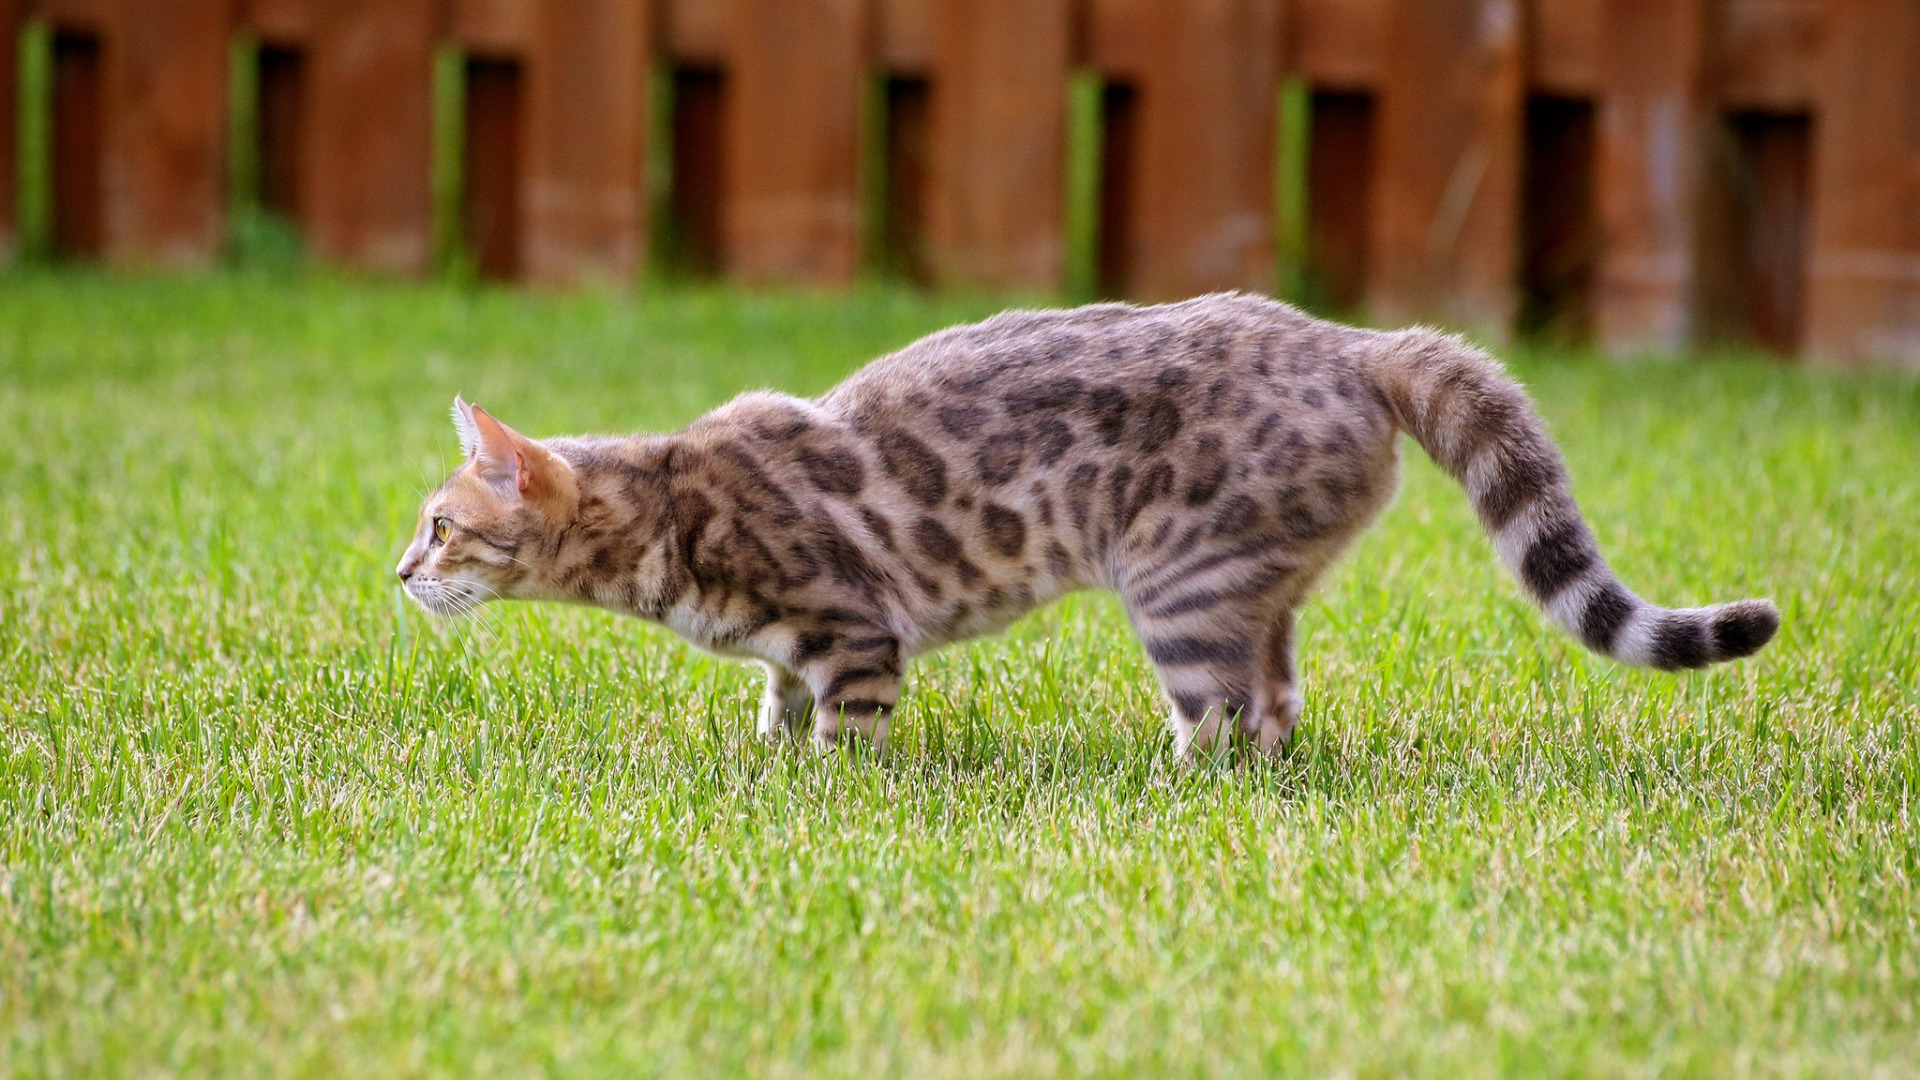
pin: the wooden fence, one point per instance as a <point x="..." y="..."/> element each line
<point x="1649" y="174"/>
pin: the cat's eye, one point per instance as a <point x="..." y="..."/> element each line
<point x="442" y="528"/>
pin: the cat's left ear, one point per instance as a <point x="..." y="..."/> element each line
<point x="464" y="427"/>
<point x="512" y="463"/>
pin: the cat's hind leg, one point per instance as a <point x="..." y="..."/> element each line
<point x="1269" y="725"/>
<point x="786" y="710"/>
<point x="1209" y="678"/>
<point x="1221" y="643"/>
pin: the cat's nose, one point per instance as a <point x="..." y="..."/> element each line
<point x="404" y="573"/>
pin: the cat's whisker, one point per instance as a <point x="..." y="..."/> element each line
<point x="483" y="626"/>
<point x="475" y="618"/>
<point x="464" y="626"/>
<point x="470" y="631"/>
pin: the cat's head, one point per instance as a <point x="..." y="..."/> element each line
<point x="481" y="535"/>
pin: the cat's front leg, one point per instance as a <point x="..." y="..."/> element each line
<point x="855" y="686"/>
<point x="787" y="706"/>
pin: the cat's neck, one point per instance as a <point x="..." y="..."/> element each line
<point x="619" y="551"/>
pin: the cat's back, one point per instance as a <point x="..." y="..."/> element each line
<point x="1028" y="362"/>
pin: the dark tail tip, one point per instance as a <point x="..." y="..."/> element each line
<point x="1742" y="628"/>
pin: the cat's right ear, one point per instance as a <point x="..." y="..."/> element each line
<point x="465" y="426"/>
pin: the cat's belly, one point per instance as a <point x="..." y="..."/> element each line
<point x="985" y="612"/>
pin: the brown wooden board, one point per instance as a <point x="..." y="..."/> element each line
<point x="1765" y="53"/>
<point x="793" y="154"/>
<point x="1206" y="160"/>
<point x="1864" y="281"/>
<point x="164" y="124"/>
<point x="1564" y="47"/>
<point x="1650" y="162"/>
<point x="75" y="16"/>
<point x="584" y="206"/>
<point x="903" y="36"/>
<point x="1337" y="44"/>
<point x="494" y="28"/>
<point x="999" y="124"/>
<point x="281" y="22"/>
<point x="369" y="175"/>
<point x="1115" y="37"/>
<point x="1446" y="196"/>
<point x="695" y="33"/>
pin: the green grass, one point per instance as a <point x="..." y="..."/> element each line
<point x="259" y="816"/>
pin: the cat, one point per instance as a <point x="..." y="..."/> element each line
<point x="1205" y="460"/>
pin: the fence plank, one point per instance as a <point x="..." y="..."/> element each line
<point x="1338" y="44"/>
<point x="163" y="126"/>
<point x="1206" y="161"/>
<point x="584" y="200"/>
<point x="1650" y="162"/>
<point x="999" y="123"/>
<point x="1446" y="196"/>
<point x="370" y="183"/>
<point x="793" y="207"/>
<point x="1864" y="288"/>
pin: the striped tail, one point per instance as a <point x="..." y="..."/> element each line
<point x="1478" y="425"/>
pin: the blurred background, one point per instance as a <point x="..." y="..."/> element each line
<point x="1639" y="175"/>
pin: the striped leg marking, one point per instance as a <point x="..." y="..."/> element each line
<point x="1269" y="727"/>
<point x="854" y="691"/>
<point x="1207" y="679"/>
<point x="1208" y="635"/>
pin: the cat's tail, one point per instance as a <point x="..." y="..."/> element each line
<point x="1481" y="428"/>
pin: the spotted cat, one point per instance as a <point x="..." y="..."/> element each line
<point x="1205" y="460"/>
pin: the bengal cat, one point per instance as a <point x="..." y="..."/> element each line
<point x="1205" y="460"/>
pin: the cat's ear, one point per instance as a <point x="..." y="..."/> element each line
<point x="489" y="445"/>
<point x="516" y="465"/>
<point x="492" y="447"/>
<point x="463" y="426"/>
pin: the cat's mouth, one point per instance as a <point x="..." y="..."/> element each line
<point x="447" y="597"/>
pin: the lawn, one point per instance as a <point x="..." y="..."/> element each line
<point x="260" y="816"/>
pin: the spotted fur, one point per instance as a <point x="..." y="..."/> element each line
<point x="1206" y="461"/>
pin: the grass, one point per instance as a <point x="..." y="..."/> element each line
<point x="258" y="816"/>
